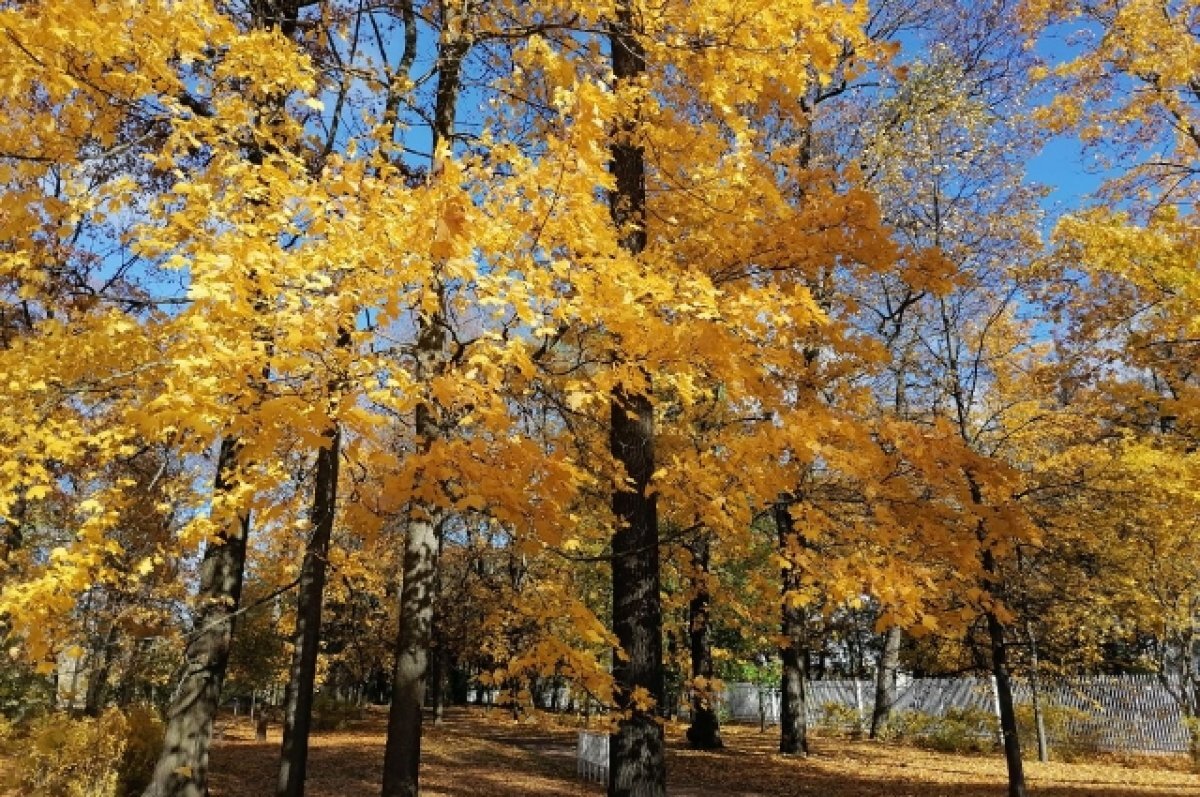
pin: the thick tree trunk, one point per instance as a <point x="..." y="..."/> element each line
<point x="793" y="719"/>
<point x="705" y="730"/>
<point x="298" y="700"/>
<point x="637" y="761"/>
<point x="637" y="766"/>
<point x="182" y="769"/>
<point x="885" y="680"/>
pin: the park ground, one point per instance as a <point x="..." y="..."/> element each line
<point x="477" y="753"/>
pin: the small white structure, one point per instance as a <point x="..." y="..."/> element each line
<point x="591" y="756"/>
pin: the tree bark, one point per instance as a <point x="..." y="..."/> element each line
<point x="885" y="680"/>
<point x="402" y="754"/>
<point x="637" y="761"/>
<point x="1035" y="688"/>
<point x="100" y="666"/>
<point x="998" y="649"/>
<point x="182" y="769"/>
<point x="793" y="719"/>
<point x="298" y="699"/>
<point x="637" y="766"/>
<point x="1008" y="714"/>
<point x="705" y="730"/>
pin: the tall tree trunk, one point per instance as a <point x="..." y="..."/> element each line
<point x="793" y="719"/>
<point x="182" y="769"/>
<point x="998" y="649"/>
<point x="637" y="761"/>
<point x="705" y="730"/>
<point x="885" y="680"/>
<point x="298" y="699"/>
<point x="402" y="755"/>
<point x="1000" y="672"/>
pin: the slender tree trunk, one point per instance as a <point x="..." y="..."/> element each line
<point x="885" y="680"/>
<point x="182" y="769"/>
<point x="705" y="730"/>
<point x="97" y="687"/>
<point x="402" y="755"/>
<point x="1035" y="688"/>
<point x="298" y="699"/>
<point x="793" y="719"/>
<point x="1000" y="671"/>
<point x="998" y="649"/>
<point x="438" y="681"/>
<point x="637" y="760"/>
<point x="441" y="653"/>
<point x="1008" y="714"/>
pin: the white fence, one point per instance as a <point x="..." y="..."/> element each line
<point x="591" y="756"/>
<point x="1126" y="713"/>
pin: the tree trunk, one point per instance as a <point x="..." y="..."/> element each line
<point x="705" y="730"/>
<point x="885" y="680"/>
<point x="402" y="755"/>
<point x="1035" y="688"/>
<point x="438" y="682"/>
<point x="637" y="761"/>
<point x="298" y="699"/>
<point x="993" y="583"/>
<point x="182" y="769"/>
<point x="97" y="687"/>
<point x="793" y="720"/>
<point x="1008" y="714"/>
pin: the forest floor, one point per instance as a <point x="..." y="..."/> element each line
<point x="477" y="753"/>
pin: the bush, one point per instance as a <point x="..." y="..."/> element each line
<point x="959" y="730"/>
<point x="109" y="756"/>
<point x="8" y="732"/>
<point x="840" y="718"/>
<point x="1072" y="733"/>
<point x="333" y="715"/>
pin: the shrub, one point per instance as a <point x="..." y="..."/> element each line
<point x="143" y="744"/>
<point x="839" y="718"/>
<point x="1072" y="733"/>
<point x="959" y="730"/>
<point x="8" y="732"/>
<point x="330" y="714"/>
<point x="108" y="756"/>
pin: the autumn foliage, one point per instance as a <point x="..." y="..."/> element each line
<point x="417" y="311"/>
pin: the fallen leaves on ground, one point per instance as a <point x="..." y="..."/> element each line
<point x="478" y="753"/>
